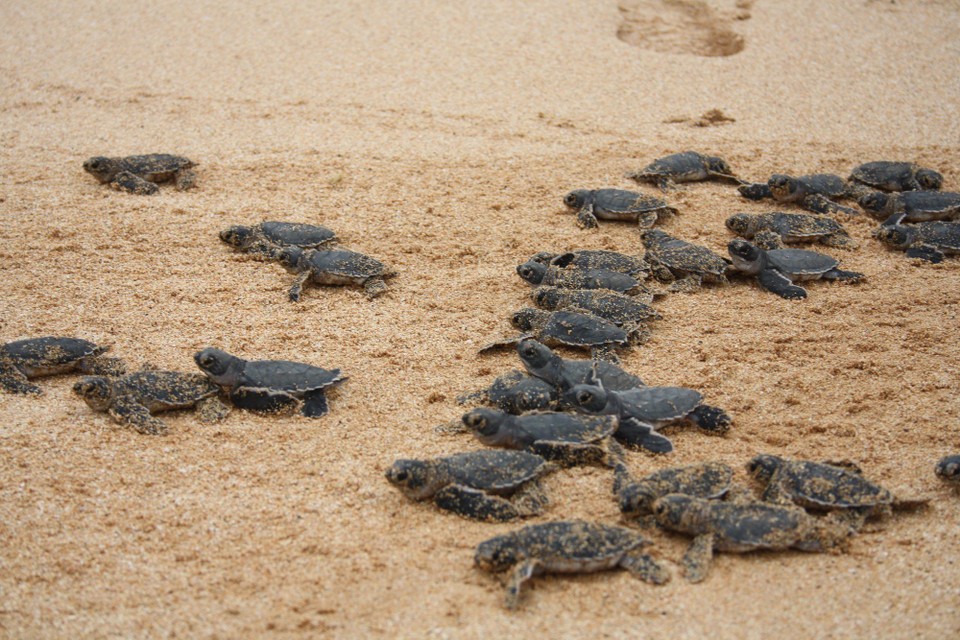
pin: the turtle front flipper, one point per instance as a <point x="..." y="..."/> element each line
<point x="754" y="191"/>
<point x="296" y="289"/>
<point x="130" y="412"/>
<point x="647" y="219"/>
<point x="821" y="204"/>
<point x="640" y="434"/>
<point x="374" y="287"/>
<point x="315" y="404"/>
<point x="102" y="366"/>
<point x="185" y="179"/>
<point x="131" y="183"/>
<point x="475" y="504"/>
<point x="711" y="419"/>
<point x="13" y="380"/>
<point x="840" y="274"/>
<point x="606" y="352"/>
<point x="696" y="561"/>
<point x="644" y="566"/>
<point x="688" y="284"/>
<point x="520" y="574"/>
<point x="504" y="342"/>
<point x="586" y="219"/>
<point x="212" y="410"/>
<point x="925" y="252"/>
<point x="775" y="282"/>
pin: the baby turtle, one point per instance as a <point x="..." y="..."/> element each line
<point x="495" y="486"/>
<point x="139" y="174"/>
<point x="708" y="480"/>
<point x="688" y="166"/>
<point x="791" y="228"/>
<point x="563" y="438"/>
<point x="571" y="278"/>
<point x="270" y="385"/>
<point x="36" y="357"/>
<point x="777" y="270"/>
<point x="540" y="361"/>
<point x="896" y="176"/>
<point x="616" y="204"/>
<point x="738" y="528"/>
<point x="684" y="264"/>
<point x="643" y="410"/>
<point x="566" y="546"/>
<point x="133" y="398"/>
<point x="915" y="206"/>
<point x="817" y="192"/>
<point x="578" y="330"/>
<point x="948" y="468"/>
<point x="334" y="267"/>
<point x="596" y="259"/>
<point x="930" y="241"/>
<point x="516" y="393"/>
<point x="266" y="239"/>
<point x="623" y="311"/>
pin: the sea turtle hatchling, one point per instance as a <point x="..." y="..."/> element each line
<point x="483" y="485"/>
<point x="334" y="267"/>
<point x="21" y="360"/>
<point x="564" y="438"/>
<point x="623" y="311"/>
<point x="566" y="546"/>
<point x="912" y="206"/>
<point x="140" y="174"/>
<point x="536" y="273"/>
<point x="816" y="192"/>
<point x="930" y="241"/>
<point x="616" y="204"/>
<point x="896" y="176"/>
<point x="563" y="373"/>
<point x="133" y="398"/>
<point x="577" y="330"/>
<point x="643" y="410"/>
<point x="267" y="238"/>
<point x="515" y="392"/>
<point x="688" y="166"/>
<point x="682" y="263"/>
<point x="948" y="468"/>
<point x="791" y="228"/>
<point x="270" y="385"/>
<point x="708" y="480"/>
<point x="596" y="259"/>
<point x="777" y="270"/>
<point x="742" y="527"/>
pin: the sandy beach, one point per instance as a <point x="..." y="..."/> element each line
<point x="441" y="137"/>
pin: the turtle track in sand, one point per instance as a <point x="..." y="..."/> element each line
<point x="695" y="27"/>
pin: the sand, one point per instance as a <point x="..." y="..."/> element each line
<point x="441" y="137"/>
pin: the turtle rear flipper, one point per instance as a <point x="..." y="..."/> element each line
<point x="520" y="574"/>
<point x="131" y="183"/>
<point x="586" y="219"/>
<point x="185" y="179"/>
<point x="212" y="410"/>
<point x="644" y="566"/>
<point x="775" y="282"/>
<point x="473" y="503"/>
<point x="374" y="287"/>
<point x="712" y="419"/>
<point x="315" y="404"/>
<point x="130" y="412"/>
<point x="696" y="560"/>
<point x="840" y="274"/>
<point x="640" y="434"/>
<point x="926" y="252"/>
<point x="13" y="380"/>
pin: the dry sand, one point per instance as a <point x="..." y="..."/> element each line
<point x="441" y="136"/>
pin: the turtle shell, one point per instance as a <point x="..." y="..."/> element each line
<point x="160" y="390"/>
<point x="580" y="330"/>
<point x="516" y="392"/>
<point x="156" y="163"/>
<point x="49" y="352"/>
<point x="496" y="471"/>
<point x="896" y="176"/>
<point x="599" y="259"/>
<point x="678" y="254"/>
<point x="708" y="480"/>
<point x="800" y="261"/>
<point x="349" y="264"/>
<point x="294" y="378"/>
<point x="565" y="427"/>
<point x="621" y="201"/>
<point x="656" y="404"/>
<point x="296" y="234"/>
<point x="609" y="305"/>
<point x="797" y="225"/>
<point x="815" y="485"/>
<point x="682" y="167"/>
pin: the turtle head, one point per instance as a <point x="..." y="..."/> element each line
<point x="483" y="423"/>
<point x="763" y="467"/>
<point x="544" y="257"/>
<point x="290" y="257"/>
<point x="547" y="297"/>
<point x="535" y="355"/>
<point x="746" y="257"/>
<point x="412" y="477"/>
<point x="236" y="235"/>
<point x="874" y="202"/>
<point x="637" y="499"/>
<point x="897" y="236"/>
<point x="739" y="223"/>
<point x="497" y="554"/>
<point x="220" y="366"/>
<point x="525" y="318"/>
<point x="782" y="186"/>
<point x="101" y="168"/>
<point x="673" y="510"/>
<point x="929" y="179"/>
<point x="577" y="199"/>
<point x="532" y="272"/>
<point x="587" y="398"/>
<point x="716" y="164"/>
<point x="95" y="391"/>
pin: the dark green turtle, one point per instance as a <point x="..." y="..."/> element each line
<point x="896" y="176"/>
<point x="495" y="486"/>
<point x="336" y="267"/>
<point x="777" y="270"/>
<point x="816" y="192"/>
<point x="930" y="241"/>
<point x="267" y="238"/>
<point x="688" y="166"/>
<point x="21" y="360"/>
<point x="616" y="204"/>
<point x="624" y="311"/>
<point x="270" y="385"/>
<point x="132" y="399"/>
<point x="791" y="228"/>
<point x="738" y="528"/>
<point x="573" y="278"/>
<point x="948" y="468"/>
<point x="570" y="329"/>
<point x="708" y="480"/>
<point x="563" y="373"/>
<point x="516" y="393"/>
<point x="682" y="263"/>
<point x="566" y="546"/>
<point x="596" y="259"/>
<point x="912" y="206"/>
<point x="140" y="174"/>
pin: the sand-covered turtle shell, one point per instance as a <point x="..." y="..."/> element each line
<point x="792" y="227"/>
<point x="816" y="485"/>
<point x="569" y="328"/>
<point x="897" y="176"/>
<point x="498" y="472"/>
<point x="609" y="305"/>
<point x="154" y="167"/>
<point x="595" y="259"/>
<point x="515" y="392"/>
<point x="537" y="273"/>
<point x="680" y="255"/>
<point x="788" y="188"/>
<point x="708" y="480"/>
<point x="687" y="166"/>
<point x="341" y="262"/>
<point x="157" y="390"/>
<point x="614" y="203"/>
<point x="35" y="356"/>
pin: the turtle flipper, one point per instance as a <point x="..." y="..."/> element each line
<point x="13" y="380"/>
<point x="374" y="287"/>
<point x="840" y="274"/>
<point x="296" y="289"/>
<point x="647" y="219"/>
<point x="712" y="419"/>
<point x="261" y="400"/>
<point x="570" y="454"/>
<point x="315" y="404"/>
<point x="755" y="191"/>
<point x="821" y="204"/>
<point x="696" y="561"/>
<point x="131" y="183"/>
<point x="128" y="411"/>
<point x="688" y="284"/>
<point x="520" y="574"/>
<point x="925" y="252"/>
<point x="640" y="434"/>
<point x="643" y="566"/>
<point x="212" y="410"/>
<point x="504" y="342"/>
<point x="606" y="352"/>
<point x="839" y="241"/>
<point x="185" y="179"/>
<point x="102" y="366"/>
<point x="475" y="504"/>
<point x="586" y="219"/>
<point x="775" y="282"/>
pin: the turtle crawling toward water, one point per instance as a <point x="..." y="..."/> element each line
<point x="516" y="393"/>
<point x="566" y="546"/>
<point x="777" y="270"/>
<point x="682" y="263"/>
<point x="483" y="485"/>
<point x="267" y="238"/>
<point x="707" y="480"/>
<point x="334" y="267"/>
<point x="688" y="166"/>
<point x="571" y="329"/>
<point x="623" y="311"/>
<point x="816" y="192"/>
<point x="270" y="386"/>
<point x="133" y="398"/>
<point x="616" y="204"/>
<point x="140" y="174"/>
<point x="948" y="468"/>
<point x="930" y="241"/>
<point x="896" y="176"/>
<point x="563" y="373"/>
<point x="536" y="273"/>
<point x="742" y="527"/>
<point x="791" y="228"/>
<point x="22" y="360"/>
<point x="595" y="259"/>
<point x="912" y="206"/>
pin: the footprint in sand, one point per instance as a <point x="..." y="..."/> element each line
<point x="699" y="27"/>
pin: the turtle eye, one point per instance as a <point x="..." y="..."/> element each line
<point x="402" y="476"/>
<point x="526" y="272"/>
<point x="206" y="361"/>
<point x="660" y="509"/>
<point x="529" y="351"/>
<point x="584" y="397"/>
